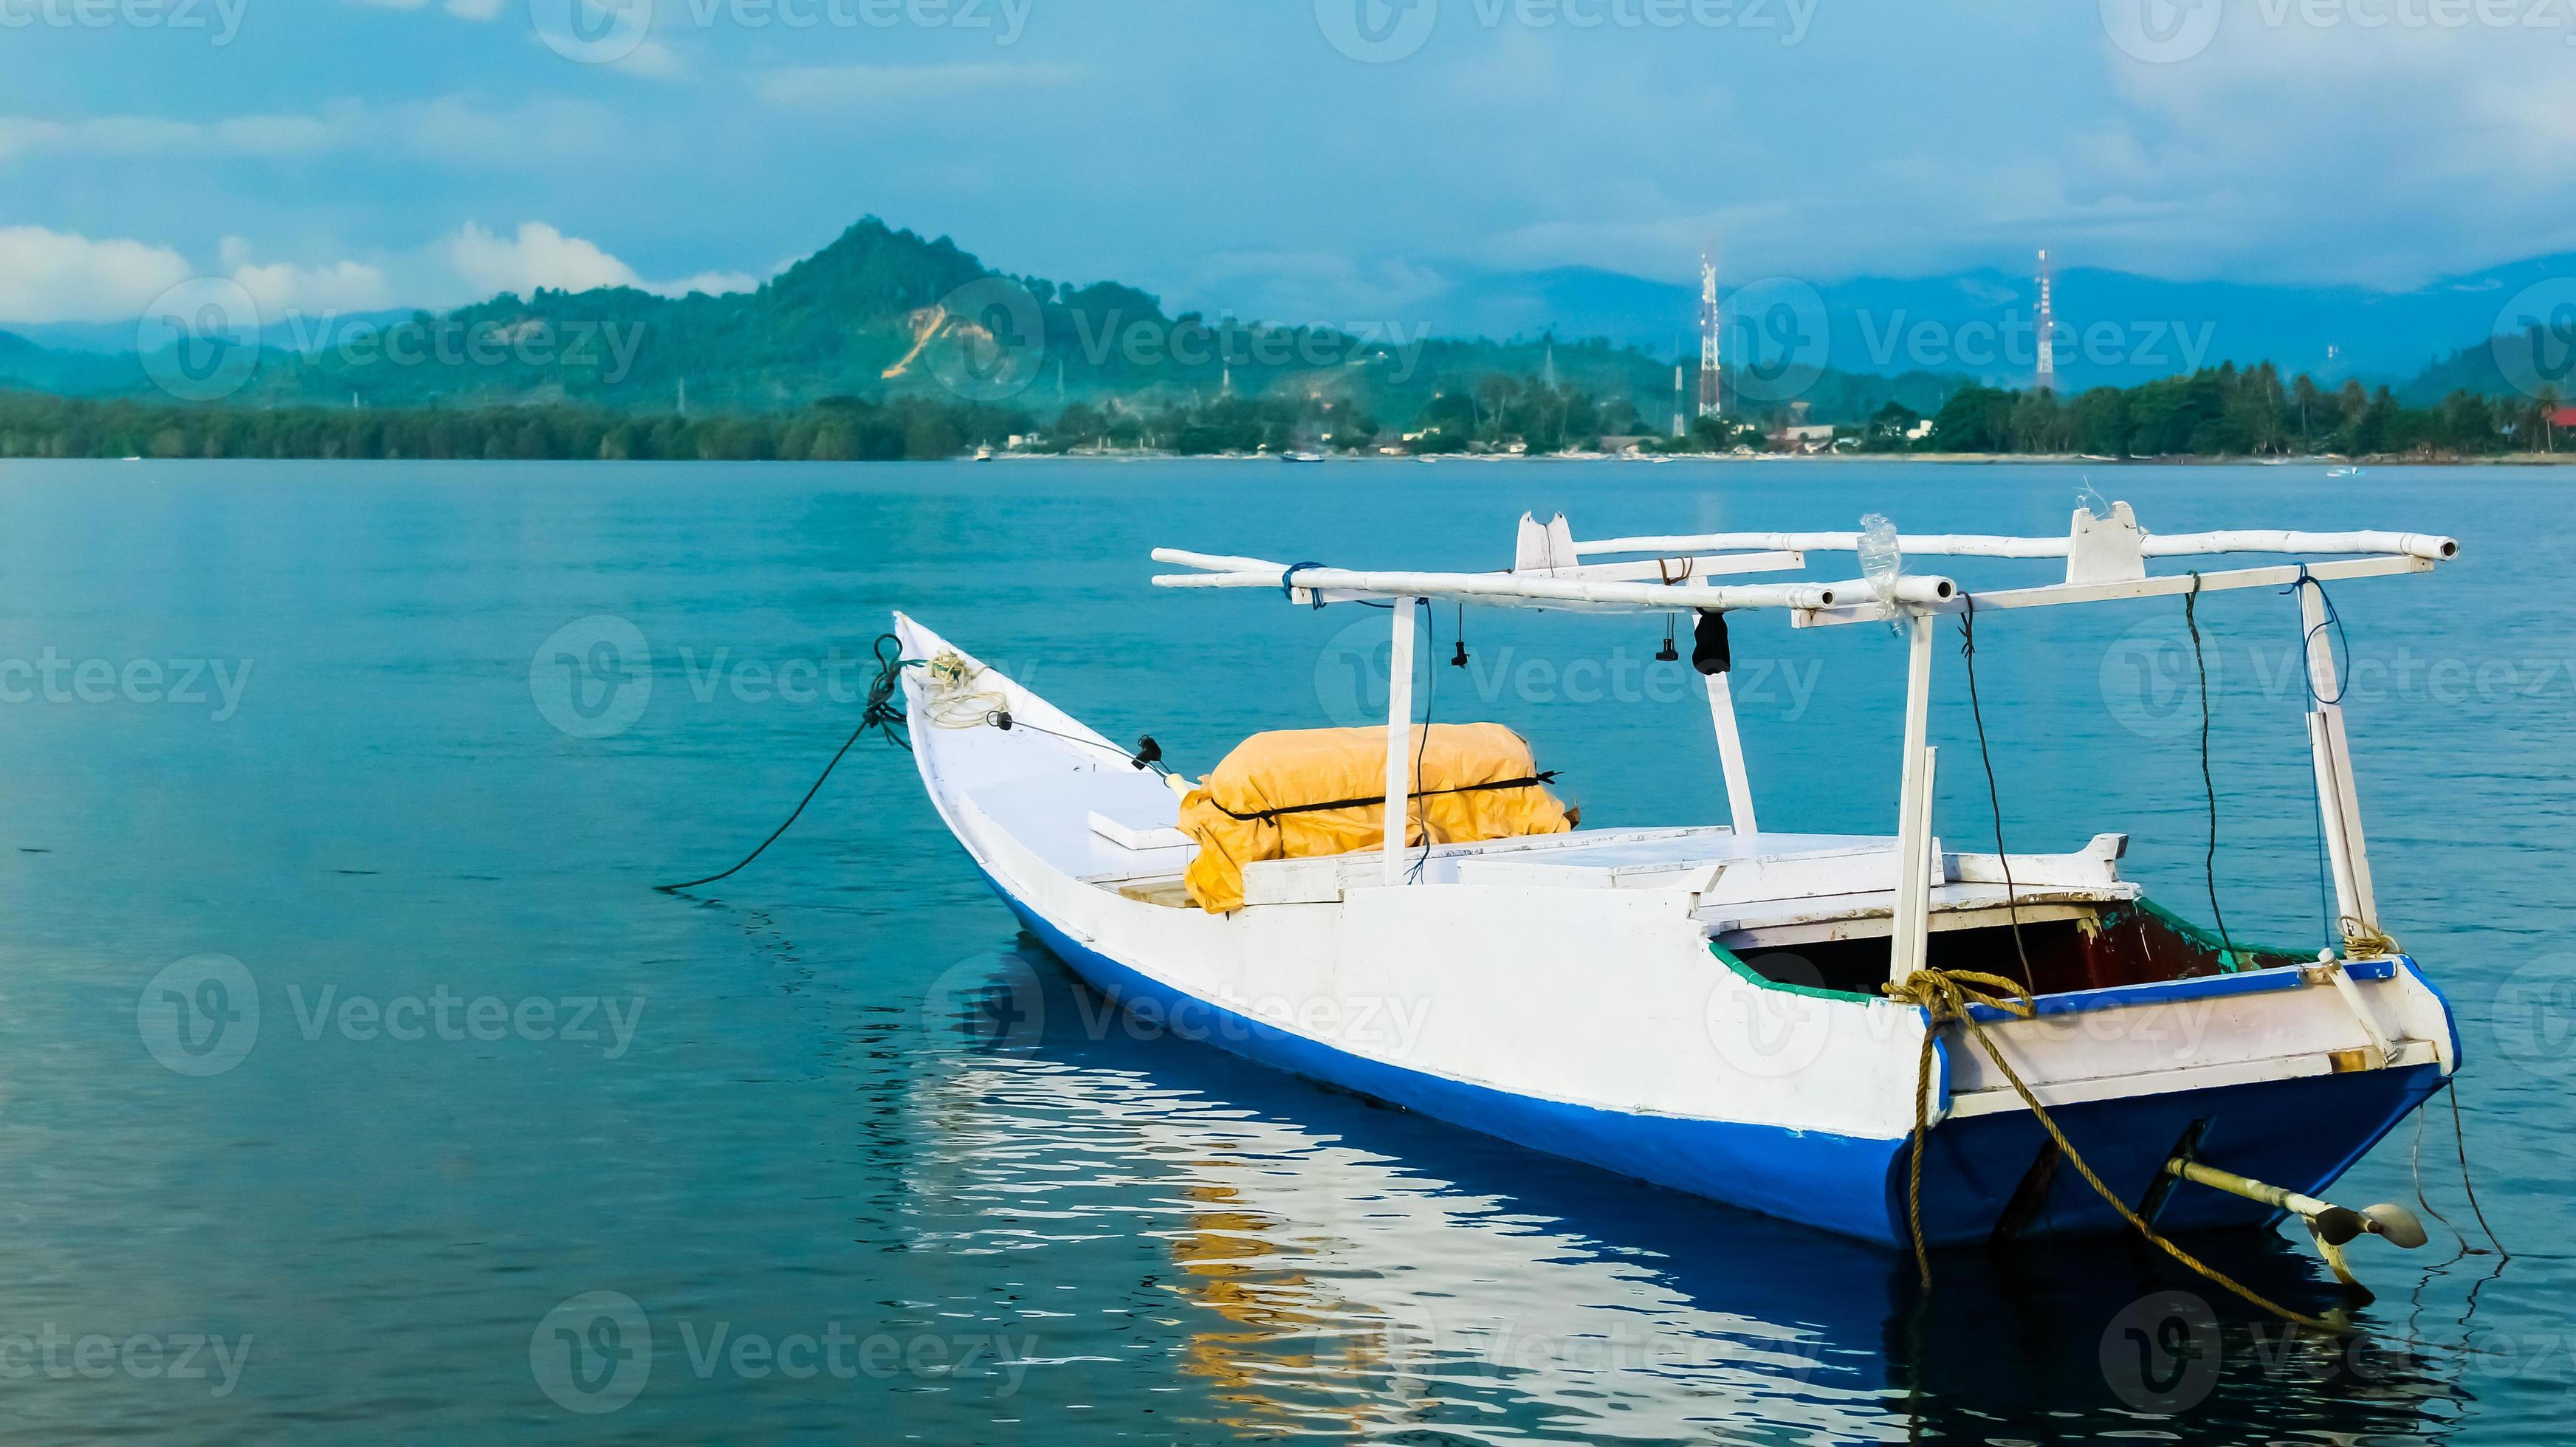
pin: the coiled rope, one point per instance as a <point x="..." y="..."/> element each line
<point x="1946" y="995"/>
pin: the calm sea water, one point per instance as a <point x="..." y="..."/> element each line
<point x="468" y="1134"/>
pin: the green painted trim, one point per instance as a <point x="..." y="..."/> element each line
<point x="1751" y="975"/>
<point x="2243" y="957"/>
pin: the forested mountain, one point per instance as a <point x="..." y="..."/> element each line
<point x="883" y="313"/>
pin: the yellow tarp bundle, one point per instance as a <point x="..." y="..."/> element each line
<point x="1305" y="767"/>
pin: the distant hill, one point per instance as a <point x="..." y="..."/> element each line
<point x="882" y="313"/>
<point x="2155" y="327"/>
<point x="23" y="363"/>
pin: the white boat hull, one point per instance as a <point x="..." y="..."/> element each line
<point x="1601" y="1024"/>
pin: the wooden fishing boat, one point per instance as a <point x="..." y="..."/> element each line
<point x="1737" y="1011"/>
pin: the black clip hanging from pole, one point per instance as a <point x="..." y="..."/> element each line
<point x="1710" y="652"/>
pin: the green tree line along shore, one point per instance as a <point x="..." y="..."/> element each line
<point x="2221" y="412"/>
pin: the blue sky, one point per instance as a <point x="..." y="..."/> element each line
<point x="1303" y="159"/>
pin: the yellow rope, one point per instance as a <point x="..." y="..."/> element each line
<point x="2363" y="940"/>
<point x="1946" y="995"/>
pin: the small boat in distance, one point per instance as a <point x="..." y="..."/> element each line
<point x="1301" y="456"/>
<point x="1775" y="1017"/>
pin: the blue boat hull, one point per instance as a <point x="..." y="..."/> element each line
<point x="2304" y="1133"/>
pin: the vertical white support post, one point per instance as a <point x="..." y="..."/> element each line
<point x="2337" y="800"/>
<point x="1730" y="756"/>
<point x="2321" y="758"/>
<point x="1399" y="739"/>
<point x="1913" y="912"/>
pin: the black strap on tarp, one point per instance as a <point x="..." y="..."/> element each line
<point x="1271" y="816"/>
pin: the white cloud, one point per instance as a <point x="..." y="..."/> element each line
<point x="283" y="289"/>
<point x="652" y="60"/>
<point x="49" y="276"/>
<point x="713" y="283"/>
<point x="539" y="256"/>
<point x="864" y="87"/>
<point x="460" y="131"/>
<point x="54" y="276"/>
<point x="150" y="136"/>
<point x="480" y="264"/>
<point x="461" y="9"/>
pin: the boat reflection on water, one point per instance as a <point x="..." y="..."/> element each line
<point x="1345" y="1268"/>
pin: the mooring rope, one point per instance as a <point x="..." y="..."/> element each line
<point x="1947" y="995"/>
<point x="882" y="713"/>
<point x="2208" y="784"/>
<point x="1994" y="799"/>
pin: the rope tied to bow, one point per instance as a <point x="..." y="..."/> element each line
<point x="1949" y="995"/>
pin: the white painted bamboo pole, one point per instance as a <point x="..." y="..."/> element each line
<point x="2161" y="586"/>
<point x="2414" y="545"/>
<point x="2346" y="847"/>
<point x="1925" y="544"/>
<point x="1503" y="587"/>
<point x="1673" y="569"/>
<point x="2338" y="857"/>
<point x="1216" y="562"/>
<point x="1912" y="915"/>
<point x="1399" y="739"/>
<point x="1984" y="545"/>
<point x="1730" y="756"/>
